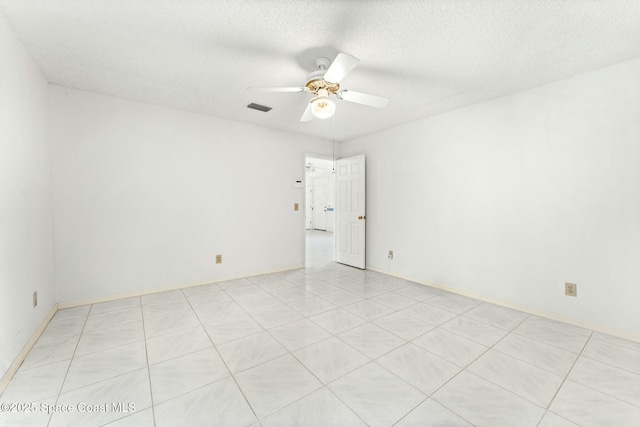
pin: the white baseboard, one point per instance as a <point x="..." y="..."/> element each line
<point x="530" y="310"/>
<point x="4" y="382"/>
<point x="112" y="297"/>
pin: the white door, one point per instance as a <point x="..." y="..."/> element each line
<point x="350" y="211"/>
<point x="320" y="203"/>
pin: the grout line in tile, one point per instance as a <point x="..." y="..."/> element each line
<point x="557" y="415"/>
<point x="543" y="342"/>
<point x="146" y="354"/>
<point x="597" y="390"/>
<point x="345" y="403"/>
<point x="489" y="381"/>
<point x="412" y="409"/>
<point x="485" y="322"/>
<point x="463" y="369"/>
<point x="322" y="382"/>
<point x="226" y="366"/>
<point x="566" y="377"/>
<point x="71" y="362"/>
<point x="526" y="361"/>
<point x="609" y="364"/>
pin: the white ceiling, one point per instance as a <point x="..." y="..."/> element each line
<point x="427" y="56"/>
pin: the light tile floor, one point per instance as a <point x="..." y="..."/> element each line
<point x="327" y="345"/>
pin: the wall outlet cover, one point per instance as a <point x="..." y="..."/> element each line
<point x="571" y="289"/>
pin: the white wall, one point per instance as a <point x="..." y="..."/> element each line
<point x="26" y="229"/>
<point x="512" y="197"/>
<point x="145" y="196"/>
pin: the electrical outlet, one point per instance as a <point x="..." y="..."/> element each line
<point x="296" y="206"/>
<point x="571" y="289"/>
<point x="218" y="259"/>
<point x="390" y="255"/>
<point x="35" y="298"/>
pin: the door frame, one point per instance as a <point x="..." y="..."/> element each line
<point x="306" y="155"/>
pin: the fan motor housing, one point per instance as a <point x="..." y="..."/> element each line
<point x="316" y="81"/>
<point x="315" y="85"/>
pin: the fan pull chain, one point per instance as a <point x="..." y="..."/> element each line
<point x="333" y="145"/>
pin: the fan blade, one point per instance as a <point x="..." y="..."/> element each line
<point x="307" y="115"/>
<point x="276" y="89"/>
<point x="363" y="98"/>
<point x="340" y="67"/>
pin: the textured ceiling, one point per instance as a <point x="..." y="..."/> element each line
<point x="427" y="56"/>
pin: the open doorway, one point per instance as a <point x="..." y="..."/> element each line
<point x="320" y="194"/>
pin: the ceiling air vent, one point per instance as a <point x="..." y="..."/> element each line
<point x="259" y="107"/>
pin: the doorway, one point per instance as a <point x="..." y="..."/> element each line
<point x="319" y="210"/>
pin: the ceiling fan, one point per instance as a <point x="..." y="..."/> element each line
<point x="324" y="82"/>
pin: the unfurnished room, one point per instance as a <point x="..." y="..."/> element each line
<point x="320" y="213"/>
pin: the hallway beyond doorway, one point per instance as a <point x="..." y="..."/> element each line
<point x="319" y="248"/>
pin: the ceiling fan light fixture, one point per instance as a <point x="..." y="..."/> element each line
<point x="321" y="106"/>
<point x="325" y="81"/>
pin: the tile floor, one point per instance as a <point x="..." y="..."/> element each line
<point x="327" y="345"/>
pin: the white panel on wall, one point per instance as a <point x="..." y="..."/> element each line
<point x="512" y="197"/>
<point x="146" y="196"/>
<point x="26" y="225"/>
